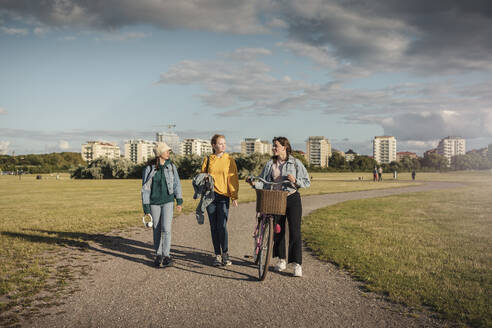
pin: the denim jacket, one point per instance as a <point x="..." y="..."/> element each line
<point x="292" y="166"/>
<point x="172" y="181"/>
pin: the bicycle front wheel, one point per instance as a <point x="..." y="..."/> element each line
<point x="265" y="253"/>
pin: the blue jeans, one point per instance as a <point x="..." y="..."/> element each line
<point x="162" y="216"/>
<point x="218" y="211"/>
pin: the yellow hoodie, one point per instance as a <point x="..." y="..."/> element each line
<point x="224" y="171"/>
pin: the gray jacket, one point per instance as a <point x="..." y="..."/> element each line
<point x="203" y="185"/>
<point x="292" y="166"/>
<point x="172" y="181"/>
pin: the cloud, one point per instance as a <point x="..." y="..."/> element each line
<point x="4" y="147"/>
<point x="424" y="111"/>
<point x="241" y="17"/>
<point x="3" y="111"/>
<point x="351" y="38"/>
<point x="421" y="36"/>
<point x="63" y="144"/>
<point x="115" y="36"/>
<point x="14" y="31"/>
<point x="40" y="31"/>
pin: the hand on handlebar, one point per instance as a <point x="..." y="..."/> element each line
<point x="291" y="178"/>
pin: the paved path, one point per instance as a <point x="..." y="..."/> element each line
<point x="127" y="291"/>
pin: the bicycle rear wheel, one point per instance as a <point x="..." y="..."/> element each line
<point x="265" y="253"/>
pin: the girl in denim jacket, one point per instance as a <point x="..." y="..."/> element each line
<point x="160" y="187"/>
<point x="283" y="166"/>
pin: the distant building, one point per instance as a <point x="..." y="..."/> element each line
<point x="384" y="149"/>
<point x="139" y="151"/>
<point x="195" y="147"/>
<point x="350" y="155"/>
<point x="99" y="149"/>
<point x="451" y="146"/>
<point x="318" y="151"/>
<point x="430" y="152"/>
<point x="402" y="154"/>
<point x="333" y="151"/>
<point x="483" y="152"/>
<point x="171" y="139"/>
<point x="489" y="152"/>
<point x="254" y="145"/>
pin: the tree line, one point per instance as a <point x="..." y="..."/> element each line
<point x="190" y="165"/>
<point x="41" y="163"/>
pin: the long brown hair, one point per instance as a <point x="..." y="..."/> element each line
<point x="214" y="140"/>
<point x="284" y="142"/>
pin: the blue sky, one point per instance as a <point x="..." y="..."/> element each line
<point x="73" y="70"/>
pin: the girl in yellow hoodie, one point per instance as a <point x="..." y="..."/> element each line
<point x="222" y="168"/>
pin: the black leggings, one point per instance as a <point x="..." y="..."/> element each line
<point x="293" y="216"/>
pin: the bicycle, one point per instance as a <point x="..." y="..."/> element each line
<point x="268" y="204"/>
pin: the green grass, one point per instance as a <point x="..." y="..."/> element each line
<point x="421" y="249"/>
<point x="40" y="218"/>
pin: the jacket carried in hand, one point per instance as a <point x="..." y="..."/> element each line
<point x="172" y="181"/>
<point x="203" y="185"/>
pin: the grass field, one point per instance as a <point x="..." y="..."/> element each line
<point x="33" y="212"/>
<point x="421" y="249"/>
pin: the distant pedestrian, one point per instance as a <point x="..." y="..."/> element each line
<point x="413" y="175"/>
<point x="380" y="173"/>
<point x="160" y="187"/>
<point x="375" y="174"/>
<point x="223" y="169"/>
<point x="395" y="174"/>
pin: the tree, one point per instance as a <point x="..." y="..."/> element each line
<point x="363" y="163"/>
<point x="337" y="161"/>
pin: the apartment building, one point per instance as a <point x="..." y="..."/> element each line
<point x="318" y="151"/>
<point x="451" y="146"/>
<point x="350" y="155"/>
<point x="99" y="149"/>
<point x="195" y="147"/>
<point x="402" y="154"/>
<point x="384" y="149"/>
<point x="489" y="152"/>
<point x="171" y="139"/>
<point x="255" y="145"/>
<point x="139" y="151"/>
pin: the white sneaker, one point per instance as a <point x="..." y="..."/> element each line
<point x="281" y="265"/>
<point x="217" y="261"/>
<point x="297" y="270"/>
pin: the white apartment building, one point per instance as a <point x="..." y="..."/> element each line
<point x="451" y="146"/>
<point x="350" y="155"/>
<point x="96" y="149"/>
<point x="171" y="139"/>
<point x="139" y="151"/>
<point x="318" y="151"/>
<point x="384" y="149"/>
<point x="254" y="145"/>
<point x="195" y="147"/>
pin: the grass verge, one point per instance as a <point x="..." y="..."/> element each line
<point x="421" y="249"/>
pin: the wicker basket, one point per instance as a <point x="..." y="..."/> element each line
<point x="271" y="201"/>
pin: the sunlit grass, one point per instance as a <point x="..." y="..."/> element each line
<point x="432" y="248"/>
<point x="34" y="213"/>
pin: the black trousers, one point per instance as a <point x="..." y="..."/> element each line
<point x="293" y="216"/>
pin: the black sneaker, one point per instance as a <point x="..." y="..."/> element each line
<point x="157" y="261"/>
<point x="167" y="261"/>
<point x="225" y="259"/>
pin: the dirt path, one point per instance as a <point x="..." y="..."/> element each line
<point x="127" y="291"/>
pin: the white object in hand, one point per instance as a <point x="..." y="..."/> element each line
<point x="147" y="224"/>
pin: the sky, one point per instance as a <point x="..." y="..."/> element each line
<point x="113" y="70"/>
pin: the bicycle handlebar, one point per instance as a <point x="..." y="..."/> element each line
<point x="253" y="178"/>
